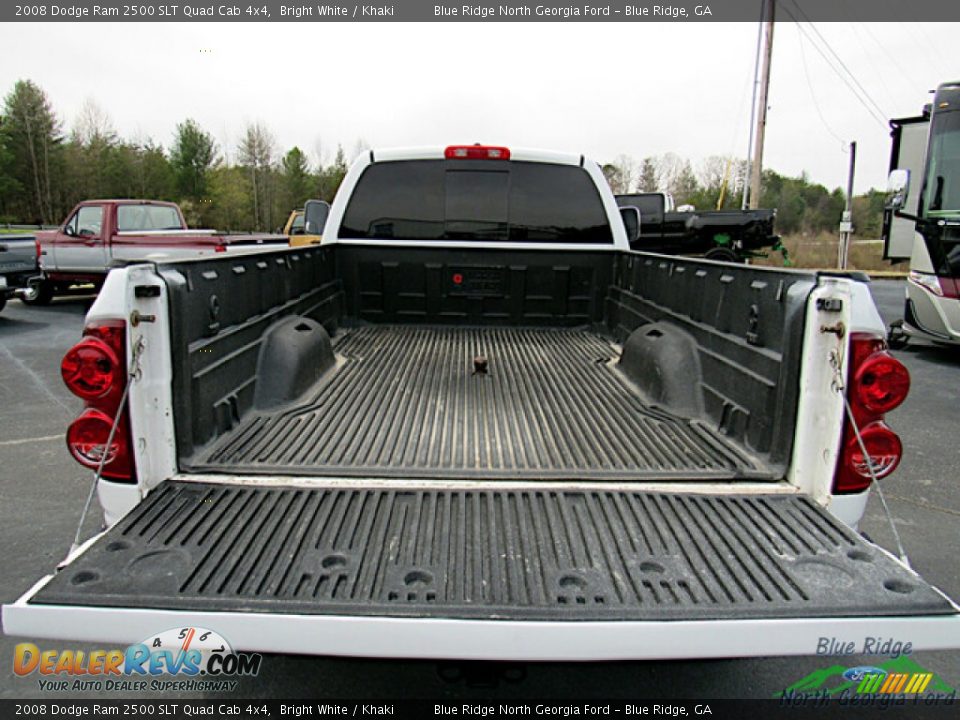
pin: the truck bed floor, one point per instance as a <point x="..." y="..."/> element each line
<point x="405" y="401"/>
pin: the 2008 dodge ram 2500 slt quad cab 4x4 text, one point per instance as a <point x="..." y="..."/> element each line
<point x="473" y="424"/>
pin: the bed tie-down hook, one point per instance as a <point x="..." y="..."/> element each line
<point x="137" y="317"/>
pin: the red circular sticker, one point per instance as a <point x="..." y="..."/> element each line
<point x="457" y="279"/>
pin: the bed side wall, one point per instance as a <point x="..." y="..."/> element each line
<point x="747" y="326"/>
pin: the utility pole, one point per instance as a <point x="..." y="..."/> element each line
<point x="757" y="165"/>
<point x="846" y="223"/>
<point x="745" y="200"/>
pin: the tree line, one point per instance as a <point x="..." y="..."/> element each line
<point x="802" y="206"/>
<point x="45" y="171"/>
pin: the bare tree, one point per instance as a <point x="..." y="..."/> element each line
<point x="712" y="172"/>
<point x="621" y="174"/>
<point x="628" y="172"/>
<point x="319" y="152"/>
<point x="256" y="153"/>
<point x="93" y="125"/>
<point x="359" y="147"/>
<point x="647" y="181"/>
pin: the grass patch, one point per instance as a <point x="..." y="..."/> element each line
<point x="820" y="251"/>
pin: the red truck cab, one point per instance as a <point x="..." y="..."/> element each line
<point x="79" y="250"/>
<point x="100" y="234"/>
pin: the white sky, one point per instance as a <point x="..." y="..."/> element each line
<point x="600" y="89"/>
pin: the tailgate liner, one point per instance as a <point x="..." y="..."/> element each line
<point x="405" y="402"/>
<point x="551" y="554"/>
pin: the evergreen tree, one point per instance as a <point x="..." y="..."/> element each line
<point x="295" y="179"/>
<point x="31" y="138"/>
<point x="193" y="156"/>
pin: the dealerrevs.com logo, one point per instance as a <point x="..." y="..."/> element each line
<point x="201" y="659"/>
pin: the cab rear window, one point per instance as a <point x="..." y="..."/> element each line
<point x="133" y="218"/>
<point x="482" y="201"/>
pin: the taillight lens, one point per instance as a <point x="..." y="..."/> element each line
<point x="881" y="383"/>
<point x="112" y="332"/>
<point x="94" y="370"/>
<point x="878" y="383"/>
<point x="476" y="152"/>
<point x="90" y="369"/>
<point x="884" y="448"/>
<point x="87" y="441"/>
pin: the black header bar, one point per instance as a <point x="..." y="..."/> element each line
<point x="478" y="11"/>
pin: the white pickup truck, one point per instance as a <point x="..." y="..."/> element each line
<point x="472" y="424"/>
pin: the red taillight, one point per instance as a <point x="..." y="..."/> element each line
<point x="476" y="152"/>
<point x="37" y="243"/>
<point x="878" y="384"/>
<point x="94" y="370"/>
<point x="112" y="332"/>
<point x="881" y="383"/>
<point x="87" y="442"/>
<point x="884" y="448"/>
<point x="90" y="369"/>
<point x="219" y="247"/>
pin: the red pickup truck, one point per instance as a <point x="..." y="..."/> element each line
<point x="100" y="234"/>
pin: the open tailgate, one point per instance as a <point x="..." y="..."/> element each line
<point x="523" y="573"/>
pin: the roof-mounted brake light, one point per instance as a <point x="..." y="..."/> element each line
<point x="476" y="152"/>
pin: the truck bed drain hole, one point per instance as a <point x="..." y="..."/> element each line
<point x="860" y="555"/>
<point x="572" y="581"/>
<point x="651" y="567"/>
<point x="417" y="577"/>
<point x="899" y="586"/>
<point x="333" y="561"/>
<point x="84" y="576"/>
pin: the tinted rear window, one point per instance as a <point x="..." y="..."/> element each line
<point x="646" y="204"/>
<point x="131" y="218"/>
<point x="476" y="201"/>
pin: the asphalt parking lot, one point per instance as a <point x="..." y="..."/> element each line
<point x="42" y="492"/>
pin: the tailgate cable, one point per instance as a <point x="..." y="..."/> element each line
<point x="132" y="375"/>
<point x="836" y="361"/>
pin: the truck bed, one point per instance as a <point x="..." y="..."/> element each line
<point x="405" y="401"/>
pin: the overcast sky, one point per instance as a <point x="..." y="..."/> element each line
<point x="601" y="89"/>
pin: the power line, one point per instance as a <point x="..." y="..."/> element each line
<point x="878" y="116"/>
<point x="853" y="77"/>
<point x="816" y="105"/>
<point x="873" y="66"/>
<point x="839" y="59"/>
<point x="893" y="61"/>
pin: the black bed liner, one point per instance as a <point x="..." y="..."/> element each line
<point x="405" y="401"/>
<point x="492" y="554"/>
